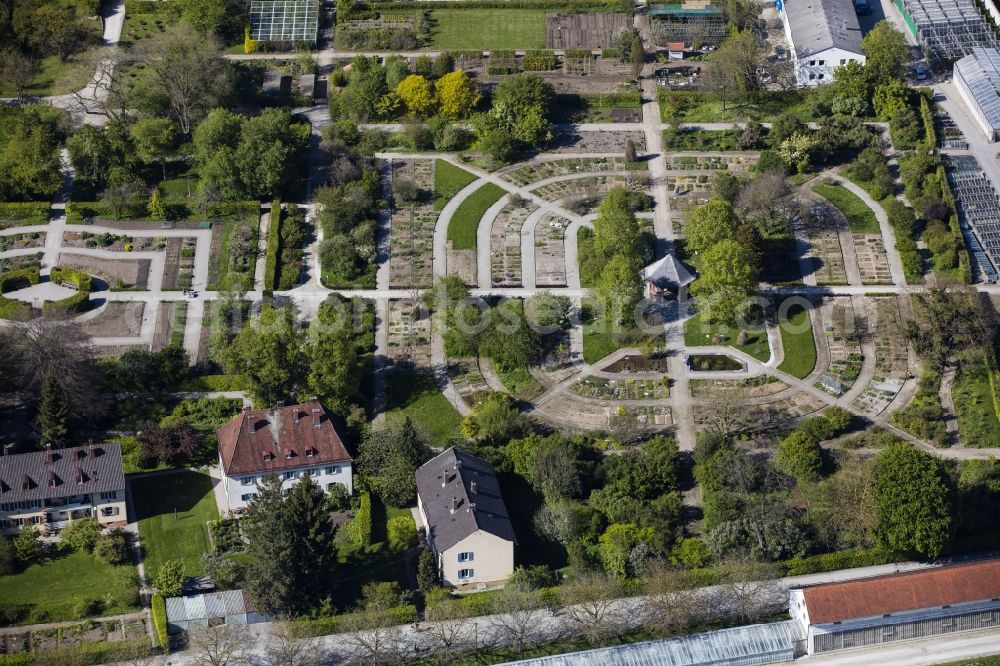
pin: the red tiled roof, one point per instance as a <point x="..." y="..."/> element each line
<point x="872" y="597"/>
<point x="270" y="440"/>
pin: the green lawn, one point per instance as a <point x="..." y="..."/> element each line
<point x="799" y="345"/>
<point x="692" y="107"/>
<point x="697" y="333"/>
<point x="60" y="78"/>
<point x="488" y="29"/>
<point x="173" y="512"/>
<point x="859" y="216"/>
<point x="47" y="592"/>
<point x="601" y="338"/>
<point x="521" y="383"/>
<point x="973" y="398"/>
<point x="414" y="394"/>
<point x="465" y="221"/>
<point x="976" y="661"/>
<point x="448" y="181"/>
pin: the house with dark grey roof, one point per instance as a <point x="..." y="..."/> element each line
<point x="866" y="612"/>
<point x="465" y="520"/>
<point x="823" y="34"/>
<point x="49" y="489"/>
<point x="290" y="441"/>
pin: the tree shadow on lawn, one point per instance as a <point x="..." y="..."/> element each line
<point x="522" y="503"/>
<point x="177" y="492"/>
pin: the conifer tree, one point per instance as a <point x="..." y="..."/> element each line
<point x="270" y="567"/>
<point x="307" y="515"/>
<point x="52" y="411"/>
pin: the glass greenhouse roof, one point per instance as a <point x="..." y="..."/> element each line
<point x="739" y="646"/>
<point x="981" y="73"/>
<point x="284" y="20"/>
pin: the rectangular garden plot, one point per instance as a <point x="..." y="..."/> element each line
<point x="843" y="337"/>
<point x="872" y="260"/>
<point x="891" y="355"/>
<point x="505" y="243"/>
<point x="467" y="378"/>
<point x="409" y="334"/>
<point x="622" y="389"/>
<point x="590" y="186"/>
<point x="412" y="229"/>
<point x="532" y="173"/>
<point x="550" y="251"/>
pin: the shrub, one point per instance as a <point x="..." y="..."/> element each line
<point x="360" y="527"/>
<point x="273" y="241"/>
<point x="115" y="547"/>
<point x="82" y="534"/>
<point x="78" y="302"/>
<point x="159" y="608"/>
<point x="844" y="559"/>
<point x="87" y="607"/>
<point x="402" y="532"/>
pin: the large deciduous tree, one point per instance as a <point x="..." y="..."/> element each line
<point x="715" y="221"/>
<point x="457" y="95"/>
<point x="387" y="460"/>
<point x="886" y="53"/>
<point x="913" y="497"/>
<point x="727" y="283"/>
<point x="736" y="67"/>
<point x="267" y="356"/>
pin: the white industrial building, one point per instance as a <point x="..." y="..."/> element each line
<point x="822" y="34"/>
<point x="977" y="77"/>
<point x="886" y="609"/>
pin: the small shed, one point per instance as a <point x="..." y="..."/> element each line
<point x="666" y="276"/>
<point x="675" y="50"/>
<point x="202" y="610"/>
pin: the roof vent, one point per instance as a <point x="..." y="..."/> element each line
<point x="473" y="487"/>
<point x="444" y="478"/>
<point x="454" y="504"/>
<point x="253" y="424"/>
<point x="472" y="506"/>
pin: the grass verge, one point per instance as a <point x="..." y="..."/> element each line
<point x="173" y="512"/>
<point x="448" y="181"/>
<point x="973" y="398"/>
<point x="797" y="342"/>
<point x="521" y="383"/>
<point x="465" y="222"/>
<point x="699" y="333"/>
<point x="860" y="218"/>
<point x="413" y="393"/>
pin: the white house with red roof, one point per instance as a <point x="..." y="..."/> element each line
<point x="288" y="441"/>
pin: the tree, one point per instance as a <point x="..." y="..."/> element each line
<point x="617" y="544"/>
<point x="285" y="648"/>
<point x="950" y="323"/>
<point x="752" y="588"/>
<point x="637" y="56"/>
<point x="18" y="70"/>
<point x="187" y="71"/>
<point x="269" y="581"/>
<point x="154" y="140"/>
<point x="890" y="98"/>
<point x="764" y="199"/>
<point x="221" y="645"/>
<point x="157" y="210"/>
<point x="727" y="283"/>
<point x="208" y="17"/>
<point x="736" y="67"/>
<point x="850" y="81"/>
<point x="416" y="93"/>
<point x="125" y="194"/>
<point x="427" y="570"/>
<point x="510" y="341"/>
<point x="8" y="557"/>
<point x="29" y="154"/>
<point x="494" y="419"/>
<point x="800" y="455"/>
<point x="50" y="28"/>
<point x="115" y="547"/>
<point x="267" y="355"/>
<point x="913" y="497"/>
<point x="616" y="229"/>
<point x="52" y="412"/>
<point x="620" y="288"/>
<point x="523" y="92"/>
<point x="336" y="364"/>
<point x="457" y="95"/>
<point x="713" y="222"/>
<point x="549" y="313"/>
<point x="387" y="460"/>
<point x="81" y="534"/>
<point x="311" y="542"/>
<point x="169" y="578"/>
<point x="513" y="617"/>
<point x="886" y="53"/>
<point x="28" y="546"/>
<point x="591" y="606"/>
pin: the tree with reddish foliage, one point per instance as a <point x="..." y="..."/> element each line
<point x="176" y="444"/>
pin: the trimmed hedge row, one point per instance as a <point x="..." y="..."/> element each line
<point x="78" y="302"/>
<point x="273" y="241"/>
<point x="292" y="233"/>
<point x="159" y="609"/>
<point x="82" y="281"/>
<point x="323" y="626"/>
<point x="843" y="559"/>
<point x="360" y="527"/>
<point x="624" y="100"/>
<point x="23" y="214"/>
<point x="10" y="278"/>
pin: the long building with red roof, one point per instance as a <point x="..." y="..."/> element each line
<point x="884" y="609"/>
<point x="288" y="441"/>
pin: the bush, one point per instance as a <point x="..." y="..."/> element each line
<point x="324" y="626"/>
<point x="844" y="559"/>
<point x="159" y="608"/>
<point x="87" y="607"/>
<point x="115" y="547"/>
<point x="273" y="241"/>
<point x="402" y="532"/>
<point x="82" y="534"/>
<point x="81" y="280"/>
<point x="360" y="527"/>
<point x="14" y="279"/>
<point x="78" y="302"/>
<point x="23" y="214"/>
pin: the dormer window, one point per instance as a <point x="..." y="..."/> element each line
<point x="288" y="454"/>
<point x="267" y="455"/>
<point x="25" y="482"/>
<point x="310" y="452"/>
<point x="79" y="477"/>
<point x="53" y="481"/>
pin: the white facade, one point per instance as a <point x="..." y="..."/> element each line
<point x="479" y="560"/>
<point x="241" y="489"/>
<point x="817" y="69"/>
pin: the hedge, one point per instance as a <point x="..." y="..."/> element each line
<point x="14" y="310"/>
<point x="927" y="117"/>
<point x="292" y="234"/>
<point x="273" y="241"/>
<point x="85" y="653"/>
<point x="82" y="281"/>
<point x="331" y="624"/>
<point x="360" y="527"/>
<point x="23" y="214"/>
<point x="843" y="559"/>
<point x="78" y="302"/>
<point x="78" y="212"/>
<point x="964" y="261"/>
<point x="159" y="608"/>
<point x="8" y="279"/>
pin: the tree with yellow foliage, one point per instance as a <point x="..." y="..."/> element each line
<point x="415" y="91"/>
<point x="457" y="95"/>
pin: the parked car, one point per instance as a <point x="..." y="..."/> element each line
<point x="920" y="71"/>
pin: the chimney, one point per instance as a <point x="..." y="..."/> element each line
<point x="253" y="424"/>
<point x="444" y="478"/>
<point x="315" y="415"/>
<point x="295" y="414"/>
<point x="246" y="408"/>
<point x="90" y="448"/>
<point x="473" y="487"/>
<point x="280" y="404"/>
<point x="313" y="399"/>
<point x="49" y="456"/>
<point x="454" y="504"/>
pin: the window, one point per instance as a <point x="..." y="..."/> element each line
<point x="288" y="475"/>
<point x="465" y="574"/>
<point x="812" y="63"/>
<point x="812" y="76"/>
<point x="248" y="497"/>
<point x="822" y="62"/>
<point x="843" y="61"/>
<point x="109" y="511"/>
<point x="248" y="480"/>
<point x="109" y="495"/>
<point x="332" y="470"/>
<point x="820" y="76"/>
<point x="465" y="557"/>
<point x="22" y="506"/>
